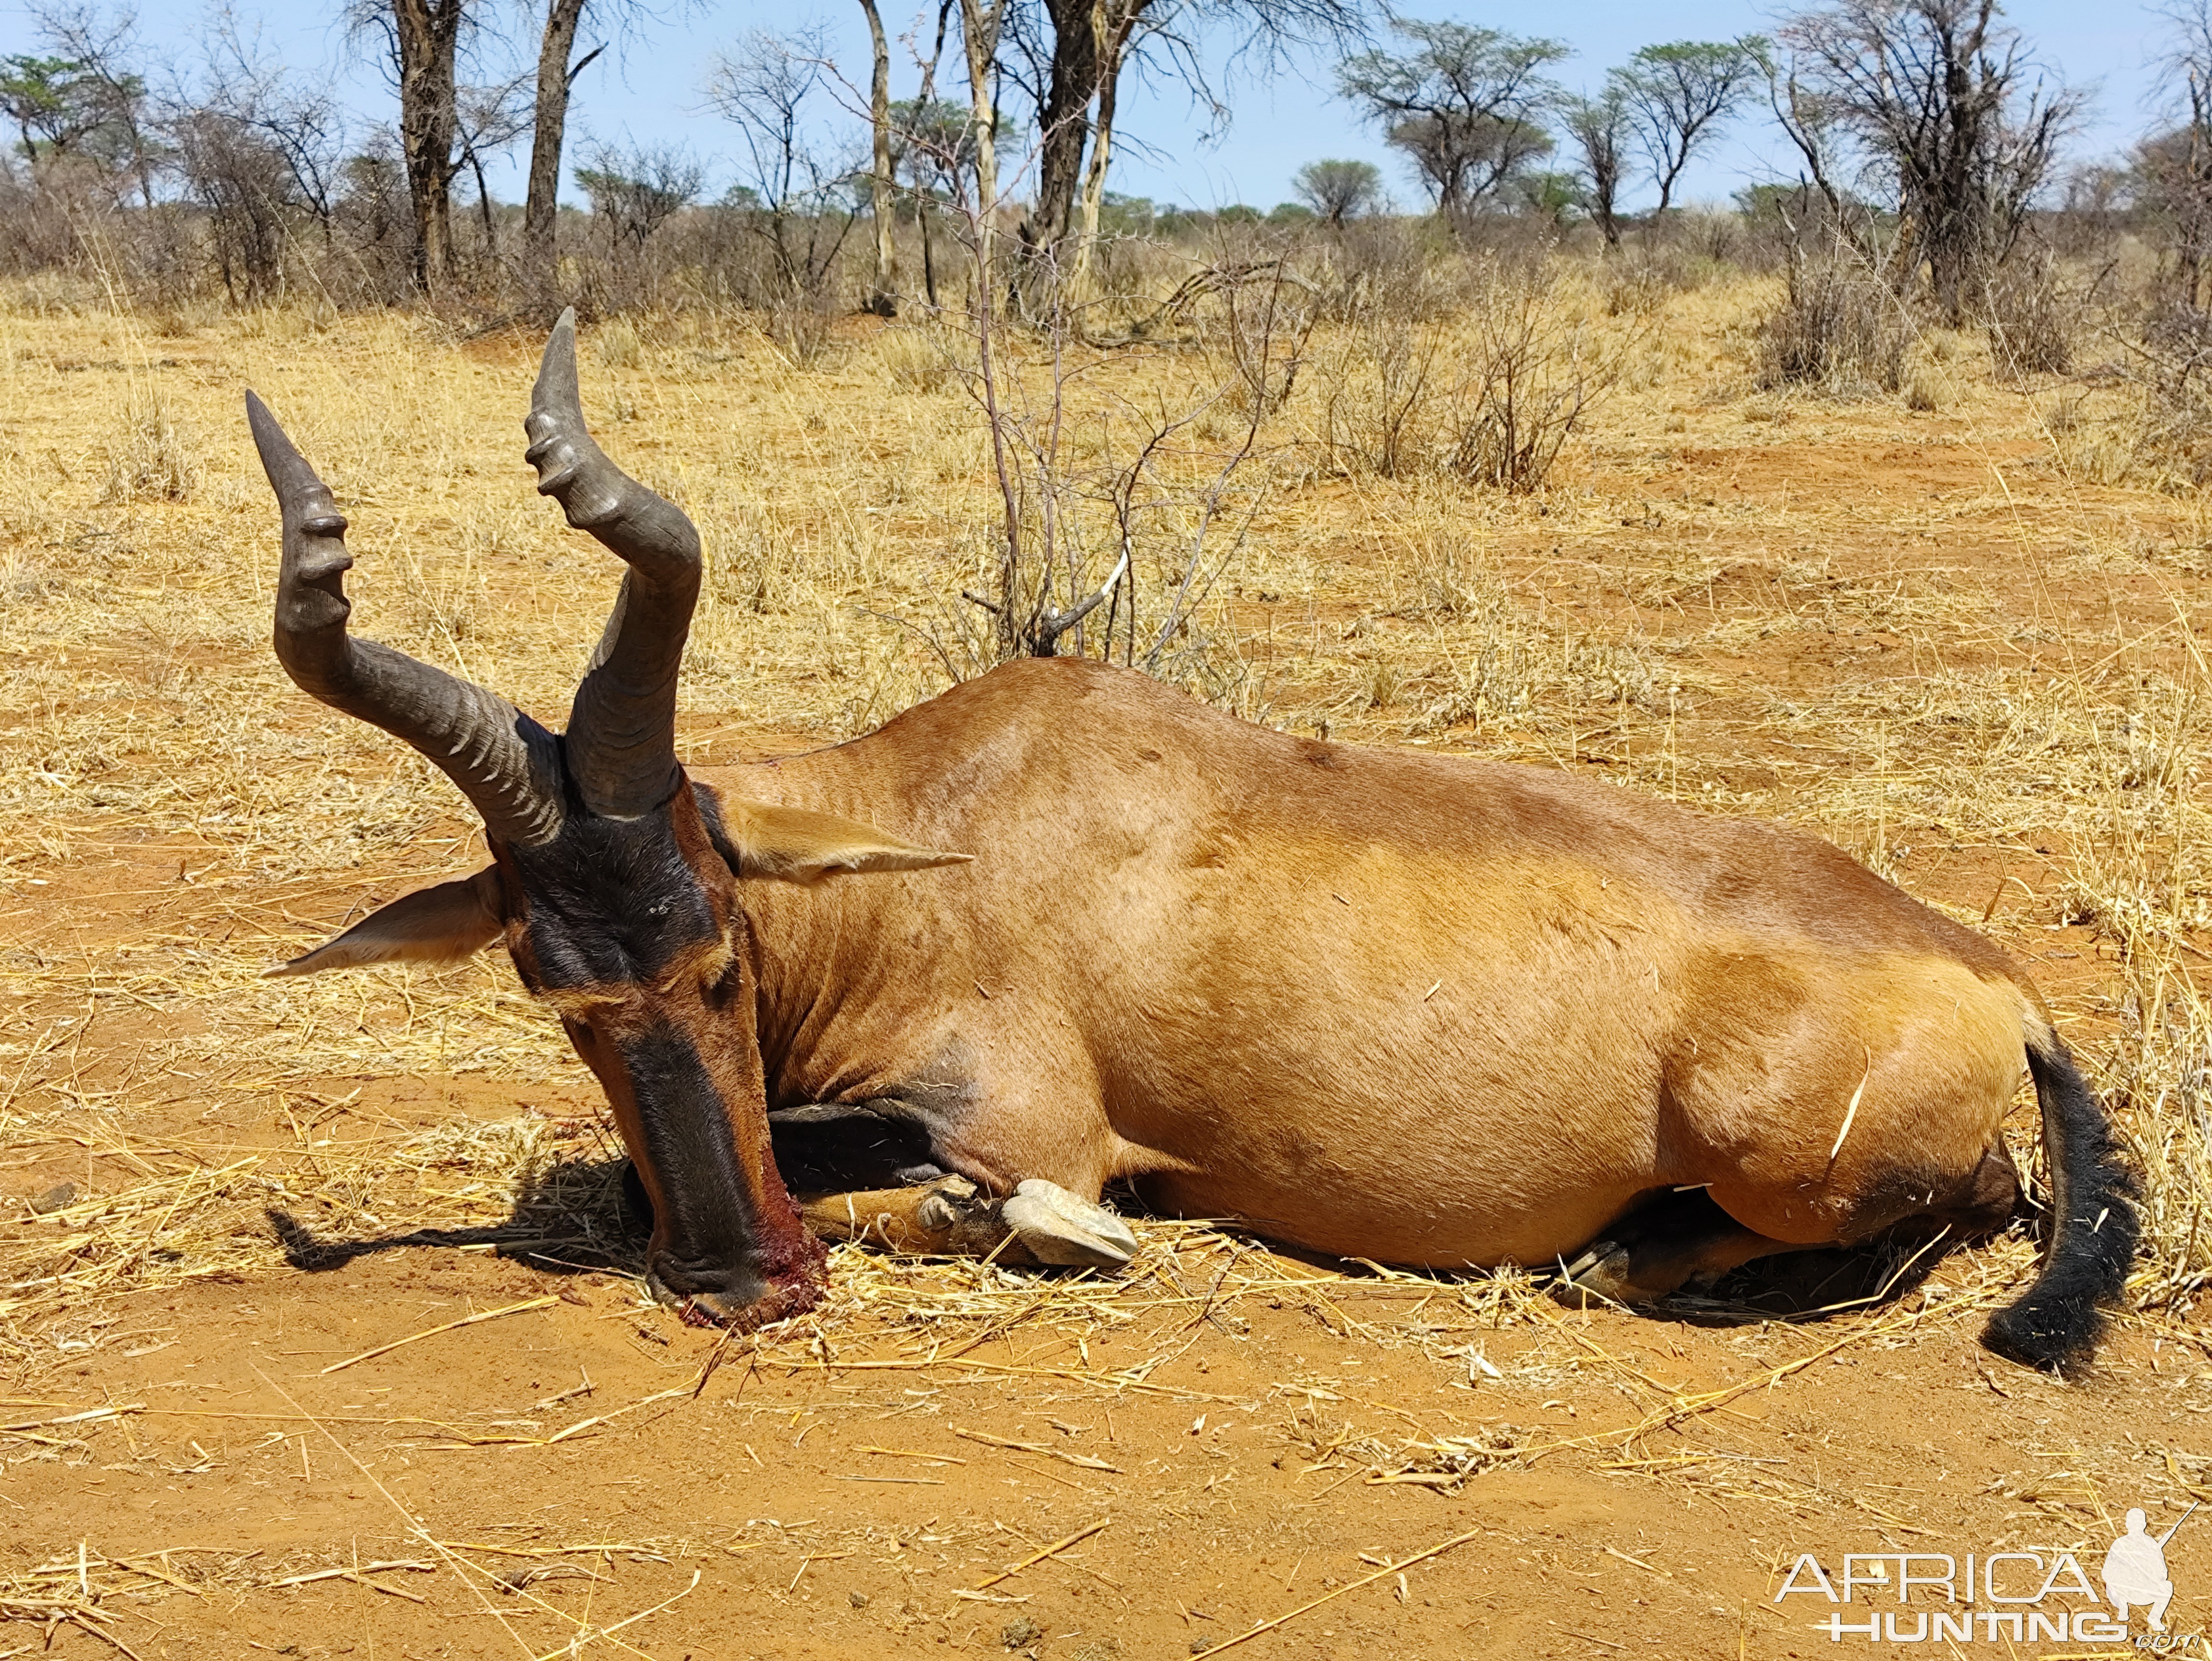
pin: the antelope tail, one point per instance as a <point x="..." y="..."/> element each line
<point x="2094" y="1228"/>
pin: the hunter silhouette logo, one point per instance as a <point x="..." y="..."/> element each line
<point x="2135" y="1571"/>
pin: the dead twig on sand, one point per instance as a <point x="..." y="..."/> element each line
<point x="432" y="1332"/>
<point x="360" y="1577"/>
<point x="1400" y="1566"/>
<point x="1049" y="1451"/>
<point x="1036" y="1557"/>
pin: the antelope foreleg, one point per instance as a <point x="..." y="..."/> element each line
<point x="1039" y="1222"/>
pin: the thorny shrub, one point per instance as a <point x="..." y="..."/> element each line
<point x="2031" y="320"/>
<point x="1840" y="329"/>
<point x="1489" y="391"/>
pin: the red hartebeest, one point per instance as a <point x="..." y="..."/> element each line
<point x="1405" y="1007"/>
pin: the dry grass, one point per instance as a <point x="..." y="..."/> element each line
<point x="1679" y="609"/>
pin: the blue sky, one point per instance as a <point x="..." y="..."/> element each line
<point x="651" y="91"/>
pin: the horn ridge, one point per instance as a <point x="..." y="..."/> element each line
<point x="515" y="783"/>
<point x="621" y="742"/>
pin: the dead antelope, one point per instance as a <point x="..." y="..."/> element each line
<point x="1422" y="1009"/>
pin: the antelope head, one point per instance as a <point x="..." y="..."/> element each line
<point x="617" y="885"/>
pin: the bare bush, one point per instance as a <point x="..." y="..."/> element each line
<point x="2169" y="363"/>
<point x="772" y="91"/>
<point x="240" y="182"/>
<point x="374" y="262"/>
<point x="1378" y="380"/>
<point x="2173" y="169"/>
<point x="46" y="209"/>
<point x="1531" y="370"/>
<point x="1116" y="524"/>
<point x="1840" y="329"/>
<point x="1488" y="391"/>
<point x="1937" y="105"/>
<point x="2031" y="320"/>
<point x="1384" y="265"/>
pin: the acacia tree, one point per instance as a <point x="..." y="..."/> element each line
<point x="1679" y="95"/>
<point x="1599" y="129"/>
<point x="1338" y="190"/>
<point x="1950" y="121"/>
<point x="58" y="107"/>
<point x="100" y="105"/>
<point x="1070" y="56"/>
<point x="1467" y="105"/>
<point x="635" y="193"/>
<point x="2173" y="165"/>
<point x="422" y="38"/>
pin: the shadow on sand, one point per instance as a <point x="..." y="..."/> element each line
<point x="575" y="1216"/>
<point x="589" y="1215"/>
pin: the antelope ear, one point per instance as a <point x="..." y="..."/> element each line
<point x="796" y="844"/>
<point x="437" y="925"/>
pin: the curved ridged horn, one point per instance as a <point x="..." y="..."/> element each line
<point x="622" y="728"/>
<point x="505" y="763"/>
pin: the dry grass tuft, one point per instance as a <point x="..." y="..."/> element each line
<point x="616" y="345"/>
<point x="921" y="358"/>
<point x="150" y="463"/>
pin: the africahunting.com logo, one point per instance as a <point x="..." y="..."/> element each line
<point x="2000" y="1597"/>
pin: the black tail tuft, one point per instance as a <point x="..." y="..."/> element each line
<point x="2093" y="1225"/>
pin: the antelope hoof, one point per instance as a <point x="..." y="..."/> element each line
<point x="1053" y="1227"/>
<point x="1598" y="1279"/>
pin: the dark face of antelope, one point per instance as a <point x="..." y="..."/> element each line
<point x="616" y="886"/>
<point x="630" y="929"/>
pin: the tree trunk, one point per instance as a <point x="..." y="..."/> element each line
<point x="882" y="298"/>
<point x="540" y="256"/>
<point x="1063" y="127"/>
<point x="929" y="254"/>
<point x="1605" y="187"/>
<point x="483" y="207"/>
<point x="2189" y="245"/>
<point x="1112" y="37"/>
<point x="979" y="33"/>
<point x="428" y="32"/>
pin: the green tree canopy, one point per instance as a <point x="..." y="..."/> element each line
<point x="1467" y="104"/>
